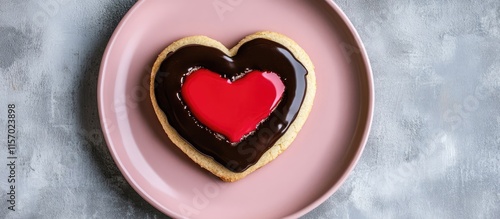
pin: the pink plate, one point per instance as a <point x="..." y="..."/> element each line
<point x="312" y="168"/>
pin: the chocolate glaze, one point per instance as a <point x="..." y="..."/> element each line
<point x="258" y="54"/>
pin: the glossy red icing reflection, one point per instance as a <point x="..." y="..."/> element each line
<point x="232" y="109"/>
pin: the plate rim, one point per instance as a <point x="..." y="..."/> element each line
<point x="370" y="102"/>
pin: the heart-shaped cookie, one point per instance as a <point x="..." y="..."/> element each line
<point x="233" y="111"/>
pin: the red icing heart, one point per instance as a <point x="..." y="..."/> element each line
<point x="232" y="108"/>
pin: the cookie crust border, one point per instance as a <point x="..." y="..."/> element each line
<point x="281" y="144"/>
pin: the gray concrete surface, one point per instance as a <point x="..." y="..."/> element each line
<point x="433" y="151"/>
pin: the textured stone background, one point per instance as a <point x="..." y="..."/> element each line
<point x="433" y="151"/>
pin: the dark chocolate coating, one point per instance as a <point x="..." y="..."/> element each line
<point x="258" y="54"/>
